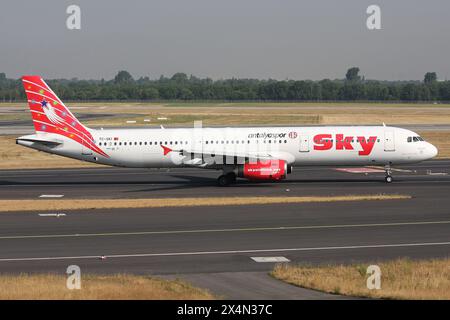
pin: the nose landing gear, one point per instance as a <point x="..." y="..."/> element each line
<point x="388" y="178"/>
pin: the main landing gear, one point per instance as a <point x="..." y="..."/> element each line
<point x="226" y="179"/>
<point x="388" y="177"/>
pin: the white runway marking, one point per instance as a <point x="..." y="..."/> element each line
<point x="199" y="253"/>
<point x="281" y="228"/>
<point x="359" y="170"/>
<point x="270" y="259"/>
<point x="51" y="196"/>
<point x="52" y="214"/>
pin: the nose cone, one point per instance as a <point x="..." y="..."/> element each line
<point x="432" y="151"/>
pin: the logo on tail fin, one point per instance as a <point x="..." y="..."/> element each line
<point x="51" y="113"/>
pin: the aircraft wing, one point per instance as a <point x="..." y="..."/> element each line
<point x="206" y="158"/>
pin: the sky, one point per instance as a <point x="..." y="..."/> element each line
<point x="278" y="39"/>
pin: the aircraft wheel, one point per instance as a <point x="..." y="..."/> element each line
<point x="223" y="180"/>
<point x="388" y="179"/>
<point x="231" y="177"/>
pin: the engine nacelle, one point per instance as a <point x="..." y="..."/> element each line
<point x="265" y="170"/>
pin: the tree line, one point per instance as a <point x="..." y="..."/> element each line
<point x="183" y="87"/>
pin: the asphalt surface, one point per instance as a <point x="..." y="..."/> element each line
<point x="425" y="178"/>
<point x="214" y="246"/>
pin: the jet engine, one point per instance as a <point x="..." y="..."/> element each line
<point x="265" y="170"/>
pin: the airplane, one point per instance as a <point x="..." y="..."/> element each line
<point x="254" y="153"/>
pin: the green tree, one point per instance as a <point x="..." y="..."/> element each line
<point x="430" y="77"/>
<point x="352" y="74"/>
<point x="123" y="77"/>
<point x="179" y="77"/>
<point x="149" y="93"/>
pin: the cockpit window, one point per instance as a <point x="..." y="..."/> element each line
<point x="415" y="139"/>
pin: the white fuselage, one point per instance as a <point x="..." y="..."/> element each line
<point x="340" y="145"/>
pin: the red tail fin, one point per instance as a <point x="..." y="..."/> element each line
<point x="51" y="115"/>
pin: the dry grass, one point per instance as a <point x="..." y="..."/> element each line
<point x="261" y="113"/>
<point x="93" y="287"/>
<point x="14" y="156"/>
<point x="400" y="279"/>
<point x="441" y="139"/>
<point x="73" y="204"/>
<point x="278" y="113"/>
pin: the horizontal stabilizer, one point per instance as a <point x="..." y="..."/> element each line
<point x="34" y="139"/>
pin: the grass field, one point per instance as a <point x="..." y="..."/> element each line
<point x="255" y="113"/>
<point x="184" y="114"/>
<point x="72" y="204"/>
<point x="96" y="287"/>
<point x="14" y="156"/>
<point x="400" y="279"/>
<point x="275" y="113"/>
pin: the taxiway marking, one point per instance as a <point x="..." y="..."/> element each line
<point x="280" y="228"/>
<point x="51" y="196"/>
<point x="198" y="253"/>
<point x="270" y="259"/>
